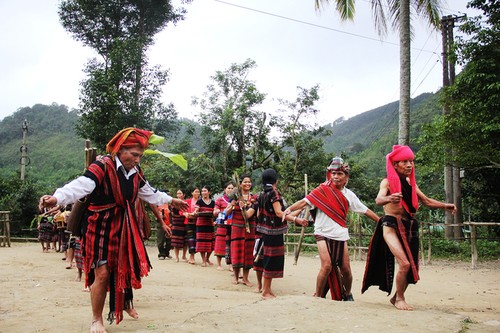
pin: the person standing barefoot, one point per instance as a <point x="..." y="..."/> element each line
<point x="397" y="232"/>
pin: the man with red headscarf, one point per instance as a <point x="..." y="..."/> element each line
<point x="396" y="234"/>
<point x="330" y="203"/>
<point x="115" y="257"/>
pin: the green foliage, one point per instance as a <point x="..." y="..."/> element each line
<point x="21" y="199"/>
<point x="231" y="124"/>
<point x="461" y="250"/>
<point x="472" y="128"/>
<point x="120" y="90"/>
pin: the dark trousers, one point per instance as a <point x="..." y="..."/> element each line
<point x="163" y="242"/>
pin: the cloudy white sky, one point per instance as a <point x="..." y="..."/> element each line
<point x="292" y="44"/>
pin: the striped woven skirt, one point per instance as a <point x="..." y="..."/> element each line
<point x="46" y="231"/>
<point x="220" y="240"/>
<point x="204" y="234"/>
<point x="191" y="236"/>
<point x="178" y="232"/>
<point x="242" y="244"/>
<point x="78" y="253"/>
<point x="271" y="250"/>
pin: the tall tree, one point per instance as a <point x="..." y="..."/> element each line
<point x="229" y="116"/>
<point x="301" y="140"/>
<point x="398" y="12"/>
<point x="120" y="89"/>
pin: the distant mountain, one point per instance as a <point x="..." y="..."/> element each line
<point x="369" y="136"/>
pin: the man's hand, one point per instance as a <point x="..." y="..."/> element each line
<point x="167" y="229"/>
<point x="179" y="204"/>
<point x="47" y="201"/>
<point x="450" y="207"/>
<point x="395" y="197"/>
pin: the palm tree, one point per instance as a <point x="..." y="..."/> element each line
<point x="399" y="14"/>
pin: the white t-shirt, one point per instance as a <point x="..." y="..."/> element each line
<point x="326" y="227"/>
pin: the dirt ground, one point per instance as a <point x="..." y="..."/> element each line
<point x="40" y="295"/>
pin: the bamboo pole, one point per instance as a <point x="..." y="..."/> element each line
<point x="302" y="229"/>
<point x="473" y="244"/>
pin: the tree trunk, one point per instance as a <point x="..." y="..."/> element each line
<point x="448" y="154"/>
<point x="404" y="73"/>
<point x="457" y="196"/>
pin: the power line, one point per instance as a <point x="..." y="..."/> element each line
<point x="313" y="24"/>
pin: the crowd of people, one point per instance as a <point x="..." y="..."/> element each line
<point x="244" y="228"/>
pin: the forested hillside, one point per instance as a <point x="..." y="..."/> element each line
<point x="54" y="150"/>
<point x="369" y="136"/>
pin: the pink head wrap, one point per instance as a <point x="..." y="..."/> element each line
<point x="401" y="153"/>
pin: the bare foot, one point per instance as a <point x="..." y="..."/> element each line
<point x="400" y="304"/>
<point x="268" y="296"/>
<point x="132" y="313"/>
<point x="234" y="282"/>
<point x="204" y="264"/>
<point x="219" y="268"/>
<point x="191" y="262"/>
<point x="247" y="283"/>
<point x="258" y="290"/>
<point x="97" y="327"/>
<point x="230" y="268"/>
<point x="210" y="263"/>
<point x="176" y="259"/>
<point x="86" y="290"/>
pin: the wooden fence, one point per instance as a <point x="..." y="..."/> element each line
<point x="358" y="238"/>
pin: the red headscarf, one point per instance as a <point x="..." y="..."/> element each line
<point x="401" y="153"/>
<point x="128" y="138"/>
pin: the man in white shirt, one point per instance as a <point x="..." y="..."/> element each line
<point x="114" y="253"/>
<point x="329" y="204"/>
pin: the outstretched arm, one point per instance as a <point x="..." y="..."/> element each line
<point x="432" y="203"/>
<point x="369" y="213"/>
<point x="288" y="217"/>
<point x="294" y="209"/>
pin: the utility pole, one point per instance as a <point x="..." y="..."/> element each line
<point x="452" y="183"/>
<point x="24" y="150"/>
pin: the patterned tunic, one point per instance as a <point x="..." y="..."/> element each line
<point x="113" y="234"/>
<point x="178" y="229"/>
<point x="242" y="242"/>
<point x="205" y="227"/>
<point x="221" y="233"/>
<point x="270" y="248"/>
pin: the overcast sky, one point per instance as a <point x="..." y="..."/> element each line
<point x="292" y="44"/>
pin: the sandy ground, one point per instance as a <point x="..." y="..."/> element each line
<point x="39" y="295"/>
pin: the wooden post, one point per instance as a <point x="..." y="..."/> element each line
<point x="473" y="245"/>
<point x="421" y="241"/>
<point x="5" y="236"/>
<point x="429" y="251"/>
<point x="360" y="240"/>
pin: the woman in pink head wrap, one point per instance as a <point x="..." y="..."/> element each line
<point x="396" y="235"/>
